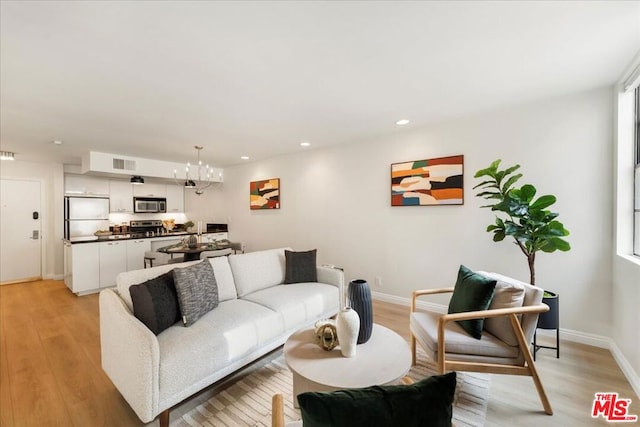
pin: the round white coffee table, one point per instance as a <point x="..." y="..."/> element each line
<point x="384" y="359"/>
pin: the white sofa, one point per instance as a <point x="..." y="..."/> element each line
<point x="256" y="314"/>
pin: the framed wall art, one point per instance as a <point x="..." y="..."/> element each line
<point x="264" y="194"/>
<point x="428" y="182"/>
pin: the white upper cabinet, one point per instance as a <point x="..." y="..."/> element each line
<point x="121" y="196"/>
<point x="85" y="185"/>
<point x="175" y="198"/>
<point x="150" y="190"/>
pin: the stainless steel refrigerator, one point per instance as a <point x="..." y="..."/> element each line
<point x="83" y="216"/>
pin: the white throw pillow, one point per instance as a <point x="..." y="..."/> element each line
<point x="509" y="293"/>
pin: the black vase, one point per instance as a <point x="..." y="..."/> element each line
<point x="360" y="300"/>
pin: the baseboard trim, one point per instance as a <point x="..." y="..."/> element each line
<point x="565" y="334"/>
<point x="579" y="337"/>
<point x="54" y="276"/>
<point x="625" y="366"/>
<point x="438" y="308"/>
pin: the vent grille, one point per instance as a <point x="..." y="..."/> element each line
<point x="122" y="164"/>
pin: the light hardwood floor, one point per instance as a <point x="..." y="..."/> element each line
<point x="50" y="370"/>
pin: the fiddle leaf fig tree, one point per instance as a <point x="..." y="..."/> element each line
<point x="520" y="215"/>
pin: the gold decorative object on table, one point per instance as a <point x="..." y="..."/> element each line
<point x="326" y="334"/>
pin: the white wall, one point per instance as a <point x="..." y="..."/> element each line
<point x="338" y="200"/>
<point x="51" y="176"/>
<point x="208" y="207"/>
<point x="626" y="269"/>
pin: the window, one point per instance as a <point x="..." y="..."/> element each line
<point x="636" y="203"/>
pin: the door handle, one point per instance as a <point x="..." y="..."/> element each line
<point x="35" y="235"/>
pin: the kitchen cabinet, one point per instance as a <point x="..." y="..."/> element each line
<point x="175" y="198"/>
<point x="135" y="253"/>
<point x="120" y="196"/>
<point x="82" y="267"/>
<point x="113" y="261"/>
<point x="91" y="266"/>
<point x="68" y="264"/>
<point x="150" y="190"/>
<point x="85" y="185"/>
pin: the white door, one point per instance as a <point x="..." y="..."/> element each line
<point x="20" y="231"/>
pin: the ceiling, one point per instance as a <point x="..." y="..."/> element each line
<point x="152" y="79"/>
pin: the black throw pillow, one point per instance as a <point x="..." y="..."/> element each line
<point x="473" y="292"/>
<point x="426" y="403"/>
<point x="155" y="302"/>
<point x="300" y="266"/>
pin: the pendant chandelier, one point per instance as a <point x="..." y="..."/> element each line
<point x="200" y="180"/>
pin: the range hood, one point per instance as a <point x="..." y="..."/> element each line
<point x="115" y="165"/>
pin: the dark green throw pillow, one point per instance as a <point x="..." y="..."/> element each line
<point x="426" y="403"/>
<point x="300" y="267"/>
<point x="472" y="292"/>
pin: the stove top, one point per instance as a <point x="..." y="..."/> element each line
<point x="145" y="224"/>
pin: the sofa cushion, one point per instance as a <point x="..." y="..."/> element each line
<point x="300" y="266"/>
<point x="508" y="294"/>
<point x="224" y="278"/>
<point x="472" y="292"/>
<point x="191" y="358"/>
<point x="257" y="270"/>
<point x="129" y="278"/>
<point x="425" y="403"/>
<point x="299" y="303"/>
<point x="221" y="269"/>
<point x="197" y="291"/>
<point x="155" y="302"/>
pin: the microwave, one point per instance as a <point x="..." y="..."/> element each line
<point x="149" y="204"/>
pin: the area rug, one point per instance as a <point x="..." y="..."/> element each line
<point x="247" y="401"/>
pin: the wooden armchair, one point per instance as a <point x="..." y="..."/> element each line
<point x="447" y="344"/>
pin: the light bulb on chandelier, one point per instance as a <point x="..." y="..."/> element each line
<point x="198" y="184"/>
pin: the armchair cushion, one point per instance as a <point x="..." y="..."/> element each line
<point x="509" y="293"/>
<point x="427" y="402"/>
<point x="459" y="344"/>
<point x="472" y="292"/>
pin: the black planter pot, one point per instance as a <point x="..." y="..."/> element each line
<point x="550" y="319"/>
<point x="360" y="300"/>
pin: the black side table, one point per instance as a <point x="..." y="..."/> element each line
<point x="549" y="320"/>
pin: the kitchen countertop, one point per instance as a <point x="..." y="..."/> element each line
<point x="91" y="239"/>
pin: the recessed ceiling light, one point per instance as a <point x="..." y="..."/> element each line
<point x="57" y="142"/>
<point x="244" y="157"/>
<point x="305" y="144"/>
<point x="402" y="122"/>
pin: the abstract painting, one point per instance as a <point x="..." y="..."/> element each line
<point x="428" y="182"/>
<point x="265" y="194"/>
